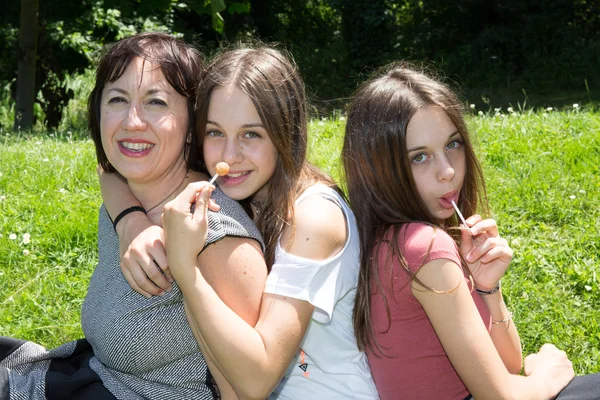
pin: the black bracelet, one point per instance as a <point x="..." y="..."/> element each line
<point x="485" y="292"/>
<point x="126" y="211"/>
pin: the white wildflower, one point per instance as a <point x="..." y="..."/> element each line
<point x="549" y="109"/>
<point x="510" y="109"/>
<point x="498" y="109"/>
<point x="572" y="196"/>
<point x="12" y="236"/>
<point x="25" y="252"/>
<point x="576" y="105"/>
<point x="582" y="191"/>
<point x="45" y="160"/>
<point x="472" y="106"/>
<point x="480" y="112"/>
<point x="2" y="198"/>
<point x="342" y="118"/>
<point x="61" y="190"/>
<point x="26" y="238"/>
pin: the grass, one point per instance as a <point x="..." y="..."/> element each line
<point x="49" y="191"/>
<point x="543" y="179"/>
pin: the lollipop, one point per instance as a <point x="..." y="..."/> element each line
<point x="222" y="169"/>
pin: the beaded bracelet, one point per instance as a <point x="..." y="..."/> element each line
<point x="486" y="292"/>
<point x="503" y="320"/>
<point x="126" y="211"/>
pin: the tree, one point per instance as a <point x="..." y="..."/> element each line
<point x="28" y="38"/>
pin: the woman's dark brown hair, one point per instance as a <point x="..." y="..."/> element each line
<point x="270" y="78"/>
<point x="383" y="194"/>
<point x="180" y="64"/>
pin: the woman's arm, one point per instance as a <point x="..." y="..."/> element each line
<point x="253" y="359"/>
<point x="470" y="348"/>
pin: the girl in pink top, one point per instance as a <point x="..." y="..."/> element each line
<point x="429" y="308"/>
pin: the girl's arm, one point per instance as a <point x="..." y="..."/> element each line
<point x="470" y="348"/>
<point x="488" y="256"/>
<point x="140" y="239"/>
<point x="252" y="359"/>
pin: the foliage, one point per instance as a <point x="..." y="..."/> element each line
<point x="496" y="51"/>
<point x="541" y="168"/>
<point x="72" y="32"/>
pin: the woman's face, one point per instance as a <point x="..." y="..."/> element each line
<point x="437" y="158"/>
<point x="143" y="123"/>
<point x="235" y="134"/>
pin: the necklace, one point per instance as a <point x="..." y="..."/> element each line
<point x="164" y="200"/>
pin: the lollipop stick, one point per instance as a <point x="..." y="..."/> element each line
<point x="213" y="179"/>
<point x="461" y="217"/>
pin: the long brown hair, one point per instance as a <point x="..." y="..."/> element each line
<point x="271" y="79"/>
<point x="383" y="194"/>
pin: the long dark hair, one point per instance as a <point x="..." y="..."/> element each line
<point x="180" y="64"/>
<point x="381" y="188"/>
<point x="271" y="79"/>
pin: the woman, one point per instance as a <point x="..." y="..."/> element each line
<point x="141" y="118"/>
<point x="251" y="114"/>
<point x="429" y="309"/>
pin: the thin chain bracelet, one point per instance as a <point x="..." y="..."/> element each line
<point x="503" y="320"/>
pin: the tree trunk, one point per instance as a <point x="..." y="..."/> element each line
<point x="28" y="38"/>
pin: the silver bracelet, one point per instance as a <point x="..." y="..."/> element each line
<point x="503" y="320"/>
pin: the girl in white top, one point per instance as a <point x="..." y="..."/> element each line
<point x="250" y="113"/>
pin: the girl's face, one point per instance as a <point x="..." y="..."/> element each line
<point x="235" y="134"/>
<point x="437" y="158"/>
<point x="143" y="123"/>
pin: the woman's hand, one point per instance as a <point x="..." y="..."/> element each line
<point x="486" y="253"/>
<point x="553" y="366"/>
<point x="185" y="227"/>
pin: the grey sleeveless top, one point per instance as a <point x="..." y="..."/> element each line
<point x="144" y="348"/>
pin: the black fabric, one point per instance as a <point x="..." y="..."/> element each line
<point x="585" y="387"/>
<point x="72" y="377"/>
<point x="212" y="385"/>
<point x="8" y="345"/>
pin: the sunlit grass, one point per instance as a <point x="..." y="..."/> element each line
<point x="543" y="182"/>
<point x="49" y="191"/>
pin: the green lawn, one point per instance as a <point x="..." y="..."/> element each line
<point x="543" y="181"/>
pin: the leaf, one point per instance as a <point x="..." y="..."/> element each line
<point x="240" y="8"/>
<point x="217" y="6"/>
<point x="217" y="22"/>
